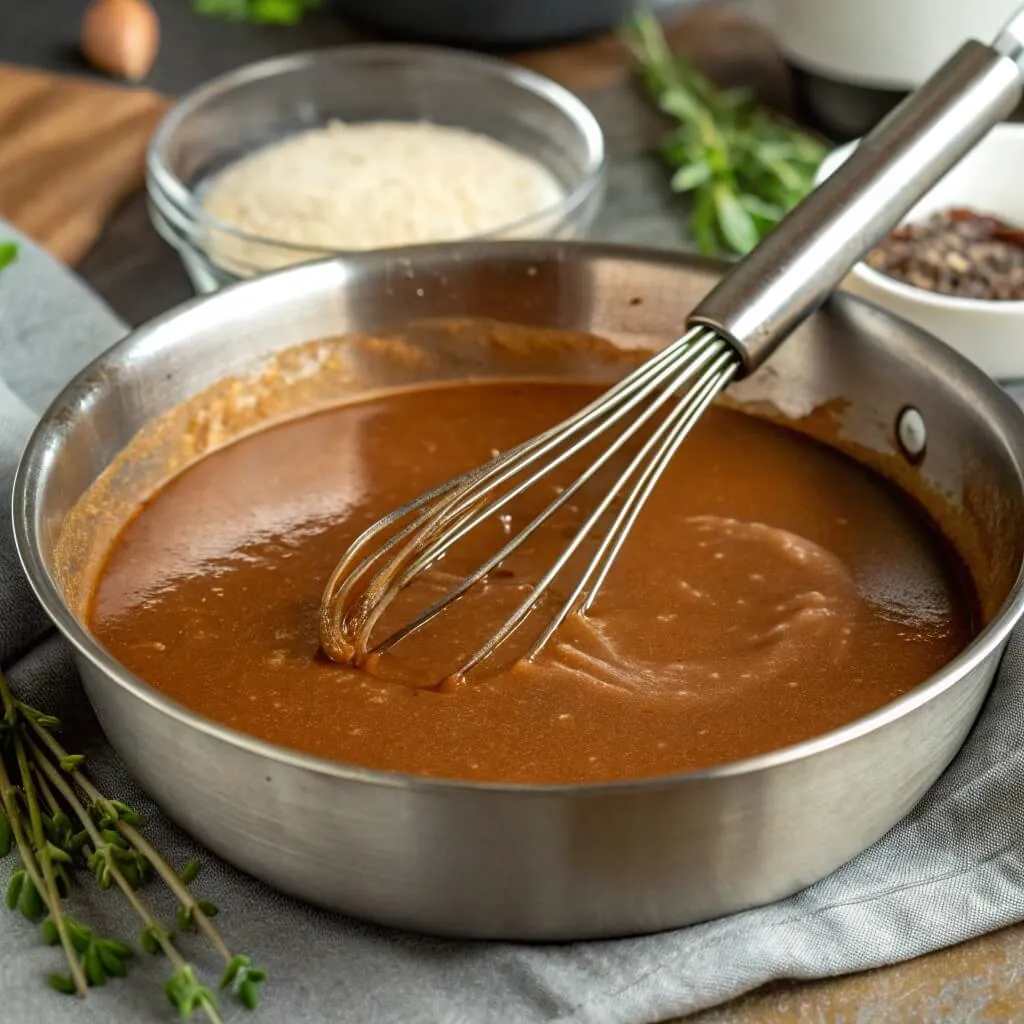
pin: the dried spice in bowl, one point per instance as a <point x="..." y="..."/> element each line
<point x="957" y="252"/>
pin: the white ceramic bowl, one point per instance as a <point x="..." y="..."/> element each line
<point x="989" y="333"/>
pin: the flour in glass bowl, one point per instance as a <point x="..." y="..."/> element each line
<point x="373" y="185"/>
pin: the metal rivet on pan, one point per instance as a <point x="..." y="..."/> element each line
<point x="911" y="433"/>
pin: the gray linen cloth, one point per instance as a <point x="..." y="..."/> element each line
<point x="952" y="870"/>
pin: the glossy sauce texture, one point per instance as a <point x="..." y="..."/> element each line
<point x="772" y="589"/>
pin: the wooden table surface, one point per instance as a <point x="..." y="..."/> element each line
<point x="140" y="276"/>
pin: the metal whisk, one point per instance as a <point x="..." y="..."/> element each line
<point x="731" y="332"/>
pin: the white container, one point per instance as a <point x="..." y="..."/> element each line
<point x="988" y="332"/>
<point x="882" y="44"/>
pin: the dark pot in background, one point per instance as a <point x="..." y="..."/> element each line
<point x="853" y="60"/>
<point x="492" y="24"/>
<point x="839" y="110"/>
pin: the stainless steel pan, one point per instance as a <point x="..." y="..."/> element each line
<point x="521" y="862"/>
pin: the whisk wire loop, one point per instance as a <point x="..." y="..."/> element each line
<point x="520" y="615"/>
<point x="701" y="353"/>
<point x="691" y="372"/>
<point x="652" y="461"/>
<point x="342" y="636"/>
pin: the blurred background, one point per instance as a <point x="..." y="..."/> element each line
<point x="78" y="108"/>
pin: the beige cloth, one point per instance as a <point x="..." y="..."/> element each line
<point x="72" y="150"/>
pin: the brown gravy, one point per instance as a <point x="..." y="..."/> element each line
<point x="771" y="590"/>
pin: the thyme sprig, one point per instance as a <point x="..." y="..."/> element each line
<point x="743" y="167"/>
<point x="62" y="827"/>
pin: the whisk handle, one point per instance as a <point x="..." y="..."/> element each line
<point x="767" y="295"/>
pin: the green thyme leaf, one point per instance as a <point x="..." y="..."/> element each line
<point x="14" y="887"/>
<point x="80" y="935"/>
<point x="126" y="813"/>
<point x="737" y="225"/>
<point x="249" y="994"/>
<point x="766" y="215"/>
<point x="57" y="855"/>
<point x="61" y="983"/>
<point x="115" y="968"/>
<point x="186" y="995"/>
<point x="119" y="949"/>
<point x="113" y="837"/>
<point x="149" y="940"/>
<point x="50" y="722"/>
<point x="94" y="969"/>
<point x="244" y="980"/>
<point x="190" y="872"/>
<point x="8" y="253"/>
<point x="58" y="830"/>
<point x="689" y="177"/>
<point x="113" y="964"/>
<point x="30" y="903"/>
<point x="71" y="762"/>
<point x="238" y="964"/>
<point x="49" y="930"/>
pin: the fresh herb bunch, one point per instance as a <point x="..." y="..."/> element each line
<point x="8" y="253"/>
<point x="62" y="828"/>
<point x="743" y="167"/>
<point x="263" y="12"/>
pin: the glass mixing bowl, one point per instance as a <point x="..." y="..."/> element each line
<point x="262" y="103"/>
